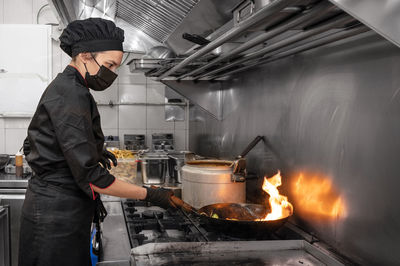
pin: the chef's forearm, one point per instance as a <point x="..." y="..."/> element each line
<point x="123" y="190"/>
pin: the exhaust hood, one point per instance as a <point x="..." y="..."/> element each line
<point x="246" y="33"/>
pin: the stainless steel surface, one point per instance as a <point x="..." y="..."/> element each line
<point x="381" y="16"/>
<point x="143" y="65"/>
<point x="154" y="167"/>
<point x="5" y="258"/>
<point x="116" y="246"/>
<point x="204" y="132"/>
<point x="10" y="182"/>
<point x="337" y="36"/>
<point x="175" y="164"/>
<point x="332" y="110"/>
<point x="160" y="52"/>
<point x="205" y="184"/>
<point x="203" y="19"/>
<point x="278" y="252"/>
<point x="262" y="14"/>
<point x="67" y="11"/>
<point x="319" y="10"/>
<point x="14" y="198"/>
<point x="202" y="93"/>
<point x="158" y="19"/>
<point x="327" y="25"/>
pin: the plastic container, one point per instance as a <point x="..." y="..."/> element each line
<point x="125" y="170"/>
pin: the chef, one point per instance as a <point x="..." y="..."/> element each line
<point x="65" y="150"/>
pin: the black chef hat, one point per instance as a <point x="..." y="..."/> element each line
<point x="91" y="35"/>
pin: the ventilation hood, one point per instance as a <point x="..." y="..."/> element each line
<point x="231" y="35"/>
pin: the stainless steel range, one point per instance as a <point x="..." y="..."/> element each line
<point x="173" y="237"/>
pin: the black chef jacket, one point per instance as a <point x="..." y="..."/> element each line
<point x="65" y="134"/>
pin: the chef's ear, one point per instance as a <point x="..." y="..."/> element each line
<point x="85" y="57"/>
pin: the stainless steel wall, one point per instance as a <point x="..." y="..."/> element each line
<point x="333" y="115"/>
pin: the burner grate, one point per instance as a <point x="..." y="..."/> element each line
<point x="151" y="224"/>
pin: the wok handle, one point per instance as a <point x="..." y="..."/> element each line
<point x="251" y="146"/>
<point x="182" y="205"/>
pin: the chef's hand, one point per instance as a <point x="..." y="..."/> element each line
<point x="160" y="197"/>
<point x="106" y="156"/>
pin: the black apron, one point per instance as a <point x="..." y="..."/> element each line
<point x="55" y="223"/>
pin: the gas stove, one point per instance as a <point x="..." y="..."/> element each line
<point x="151" y="224"/>
<point x="173" y="237"/>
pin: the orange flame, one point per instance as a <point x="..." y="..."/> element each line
<point x="315" y="195"/>
<point x="280" y="206"/>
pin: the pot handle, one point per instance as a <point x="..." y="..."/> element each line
<point x="239" y="170"/>
<point x="251" y="146"/>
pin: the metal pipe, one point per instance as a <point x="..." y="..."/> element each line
<point x="111" y="104"/>
<point x="317" y="11"/>
<point x="331" y="23"/>
<point x="337" y="36"/>
<point x="260" y="15"/>
<point x="10" y="115"/>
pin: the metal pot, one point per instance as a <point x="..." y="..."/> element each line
<point x="206" y="182"/>
<point x="154" y="168"/>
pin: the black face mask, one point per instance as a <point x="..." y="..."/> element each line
<point x="102" y="80"/>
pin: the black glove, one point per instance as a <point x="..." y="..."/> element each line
<point x="105" y="158"/>
<point x="26" y="147"/>
<point x="160" y="197"/>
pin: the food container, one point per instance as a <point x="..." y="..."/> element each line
<point x="126" y="170"/>
<point x="206" y="182"/>
<point x="154" y="168"/>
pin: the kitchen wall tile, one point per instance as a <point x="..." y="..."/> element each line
<point x="156" y="118"/>
<point x="56" y="57"/>
<point x="124" y="70"/>
<point x="132" y="93"/>
<point x="2" y="11"/>
<point x="132" y="117"/>
<point x="179" y="125"/>
<point x="2" y="136"/>
<point x="126" y="77"/>
<point x="155" y="93"/>
<point x="110" y="131"/>
<point x="2" y="141"/>
<point x="14" y="138"/>
<point x="17" y="122"/>
<point x="151" y="81"/>
<point x="46" y="15"/>
<point x="110" y="94"/>
<point x="180" y="140"/>
<point x="65" y="60"/>
<point x="18" y="12"/>
<point x="108" y="116"/>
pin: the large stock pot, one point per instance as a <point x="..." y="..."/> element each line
<point x="206" y="182"/>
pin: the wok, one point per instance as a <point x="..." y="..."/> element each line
<point x="245" y="225"/>
<point x="246" y="215"/>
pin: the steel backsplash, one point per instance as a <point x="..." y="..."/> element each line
<point x="334" y="110"/>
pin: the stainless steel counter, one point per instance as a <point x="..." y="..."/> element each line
<point x="116" y="246"/>
<point x="12" y="193"/>
<point x="275" y="252"/>
<point x="11" y="181"/>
